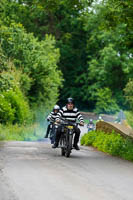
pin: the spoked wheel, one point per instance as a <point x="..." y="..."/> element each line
<point x="69" y="147"/>
<point x="67" y="153"/>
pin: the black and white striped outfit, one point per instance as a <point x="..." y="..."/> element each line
<point x="71" y="115"/>
<point x="52" y="116"/>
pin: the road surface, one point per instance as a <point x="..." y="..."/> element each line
<point x="35" y="171"/>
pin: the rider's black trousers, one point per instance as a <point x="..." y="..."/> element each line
<point x="59" y="132"/>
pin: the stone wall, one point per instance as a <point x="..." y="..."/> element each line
<point x="108" y="127"/>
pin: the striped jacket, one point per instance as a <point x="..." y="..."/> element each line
<point x="71" y="115"/>
<point x="52" y="116"/>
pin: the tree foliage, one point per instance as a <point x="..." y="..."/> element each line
<point x="129" y="93"/>
<point x="14" y="107"/>
<point x="88" y="41"/>
<point x="29" y="75"/>
<point x="109" y="49"/>
<point x="105" y="103"/>
<point x="37" y="60"/>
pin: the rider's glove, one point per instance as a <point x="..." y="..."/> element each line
<point x="57" y="121"/>
<point x="48" y="119"/>
<point x="81" y="123"/>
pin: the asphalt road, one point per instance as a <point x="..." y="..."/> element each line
<point x="35" y="171"/>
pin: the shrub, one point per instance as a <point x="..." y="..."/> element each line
<point x="88" y="139"/>
<point x="19" y="105"/>
<point x="7" y="113"/>
<point x="21" y="132"/>
<point x="16" y="132"/>
<point x="111" y="143"/>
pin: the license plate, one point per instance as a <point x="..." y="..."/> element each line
<point x="70" y="127"/>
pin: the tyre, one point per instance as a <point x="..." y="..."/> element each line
<point x="62" y="151"/>
<point x="70" y="142"/>
<point x="67" y="153"/>
<point x="69" y="146"/>
<point x="62" y="145"/>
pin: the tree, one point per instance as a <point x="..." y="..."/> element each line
<point x="109" y="53"/>
<point x="63" y="20"/>
<point x="105" y="103"/>
<point x="129" y="93"/>
<point x="37" y="61"/>
<point x="95" y="42"/>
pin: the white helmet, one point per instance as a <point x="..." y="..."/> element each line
<point x="56" y="107"/>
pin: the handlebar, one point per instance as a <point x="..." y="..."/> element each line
<point x="67" y="122"/>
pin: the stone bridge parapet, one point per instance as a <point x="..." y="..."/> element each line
<point x="108" y="127"/>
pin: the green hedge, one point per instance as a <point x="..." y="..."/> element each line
<point x="14" y="108"/>
<point x="113" y="143"/>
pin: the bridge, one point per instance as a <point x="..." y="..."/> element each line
<point x="108" y="127"/>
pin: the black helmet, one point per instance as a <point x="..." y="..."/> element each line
<point x="70" y="100"/>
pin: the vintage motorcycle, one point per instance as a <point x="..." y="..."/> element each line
<point x="91" y="127"/>
<point x="66" y="140"/>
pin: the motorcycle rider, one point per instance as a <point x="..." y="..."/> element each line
<point x="52" y="117"/>
<point x="90" y="124"/>
<point x="70" y="113"/>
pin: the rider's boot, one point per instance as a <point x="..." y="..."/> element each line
<point x="76" y="140"/>
<point x="55" y="145"/>
<point x="75" y="146"/>
<point x="46" y="136"/>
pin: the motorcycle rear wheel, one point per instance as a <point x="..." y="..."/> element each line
<point x="67" y="154"/>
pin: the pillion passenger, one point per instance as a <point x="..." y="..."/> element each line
<point x="51" y="118"/>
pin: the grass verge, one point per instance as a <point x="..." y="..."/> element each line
<point x="21" y="132"/>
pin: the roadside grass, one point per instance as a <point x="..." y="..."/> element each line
<point x="21" y="132"/>
<point x="111" y="143"/>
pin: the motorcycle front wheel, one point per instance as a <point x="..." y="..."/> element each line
<point x="69" y="146"/>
